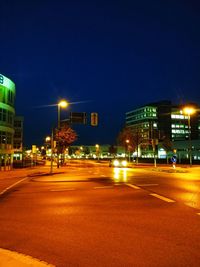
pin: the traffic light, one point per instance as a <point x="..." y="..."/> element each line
<point x="94" y="119"/>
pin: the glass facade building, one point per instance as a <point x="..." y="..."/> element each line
<point x="7" y="113"/>
<point x="152" y="120"/>
<point x="163" y="120"/>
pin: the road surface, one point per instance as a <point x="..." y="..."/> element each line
<point x="101" y="216"/>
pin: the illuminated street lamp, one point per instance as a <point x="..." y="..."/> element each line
<point x="97" y="151"/>
<point x="127" y="142"/>
<point x="61" y="104"/>
<point x="48" y="139"/>
<point x="189" y="111"/>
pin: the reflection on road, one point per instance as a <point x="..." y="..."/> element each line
<point x="120" y="175"/>
<point x="190" y="193"/>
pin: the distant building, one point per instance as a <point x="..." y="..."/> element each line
<point x="7" y="113"/>
<point x="151" y="120"/>
<point x="163" y="120"/>
<point x="18" y="138"/>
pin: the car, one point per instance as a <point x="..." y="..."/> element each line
<point x="118" y="163"/>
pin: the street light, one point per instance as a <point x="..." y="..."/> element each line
<point x="189" y="111"/>
<point x="128" y="148"/>
<point x="61" y="104"/>
<point x="48" y="139"/>
<point x="97" y="151"/>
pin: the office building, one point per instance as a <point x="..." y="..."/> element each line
<point x="164" y="121"/>
<point x="7" y="113"/>
<point x="18" y="138"/>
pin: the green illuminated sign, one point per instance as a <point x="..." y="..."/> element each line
<point x="7" y="83"/>
<point x="1" y="79"/>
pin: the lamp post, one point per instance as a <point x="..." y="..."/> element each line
<point x="189" y="111"/>
<point x="97" y="151"/>
<point x="61" y="104"/>
<point x="127" y="142"/>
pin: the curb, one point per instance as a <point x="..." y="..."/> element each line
<point x="10" y="258"/>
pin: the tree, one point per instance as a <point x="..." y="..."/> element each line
<point x="125" y="134"/>
<point x="64" y="137"/>
<point x="113" y="150"/>
<point x="126" y="139"/>
<point x="168" y="146"/>
<point x="131" y="139"/>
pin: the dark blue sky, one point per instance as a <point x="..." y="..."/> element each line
<point x="116" y="54"/>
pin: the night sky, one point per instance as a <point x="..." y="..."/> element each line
<point x="112" y="55"/>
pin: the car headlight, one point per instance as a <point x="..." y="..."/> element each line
<point x="124" y="163"/>
<point x="116" y="163"/>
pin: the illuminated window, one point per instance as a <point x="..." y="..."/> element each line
<point x="175" y="116"/>
<point x="2" y="114"/>
<point x="10" y="117"/>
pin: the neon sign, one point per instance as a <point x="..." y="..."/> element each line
<point x="1" y="79"/>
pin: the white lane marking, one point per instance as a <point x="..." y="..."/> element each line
<point x="103" y="187"/>
<point x="146" y="184"/>
<point x="162" y="198"/>
<point x="60" y="190"/>
<point x="13" y="185"/>
<point x="133" y="186"/>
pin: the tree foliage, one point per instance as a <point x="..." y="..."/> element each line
<point x="167" y="144"/>
<point x="113" y="150"/>
<point x="134" y="136"/>
<point x="64" y="137"/>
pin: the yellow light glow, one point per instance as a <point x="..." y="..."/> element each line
<point x="189" y="110"/>
<point x="124" y="163"/>
<point x="116" y="174"/>
<point x="116" y="163"/>
<point x="48" y="138"/>
<point x="63" y="104"/>
<point x="124" y="175"/>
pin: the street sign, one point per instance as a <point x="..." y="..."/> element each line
<point x="78" y="117"/>
<point x="94" y="119"/>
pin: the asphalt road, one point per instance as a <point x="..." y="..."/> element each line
<point x="100" y="216"/>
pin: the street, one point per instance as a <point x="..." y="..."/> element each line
<point x="93" y="215"/>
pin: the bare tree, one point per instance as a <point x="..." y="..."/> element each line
<point x="168" y="146"/>
<point x="131" y="139"/>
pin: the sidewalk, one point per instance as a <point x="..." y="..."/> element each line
<point x="8" y="179"/>
<point x="14" y="259"/>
